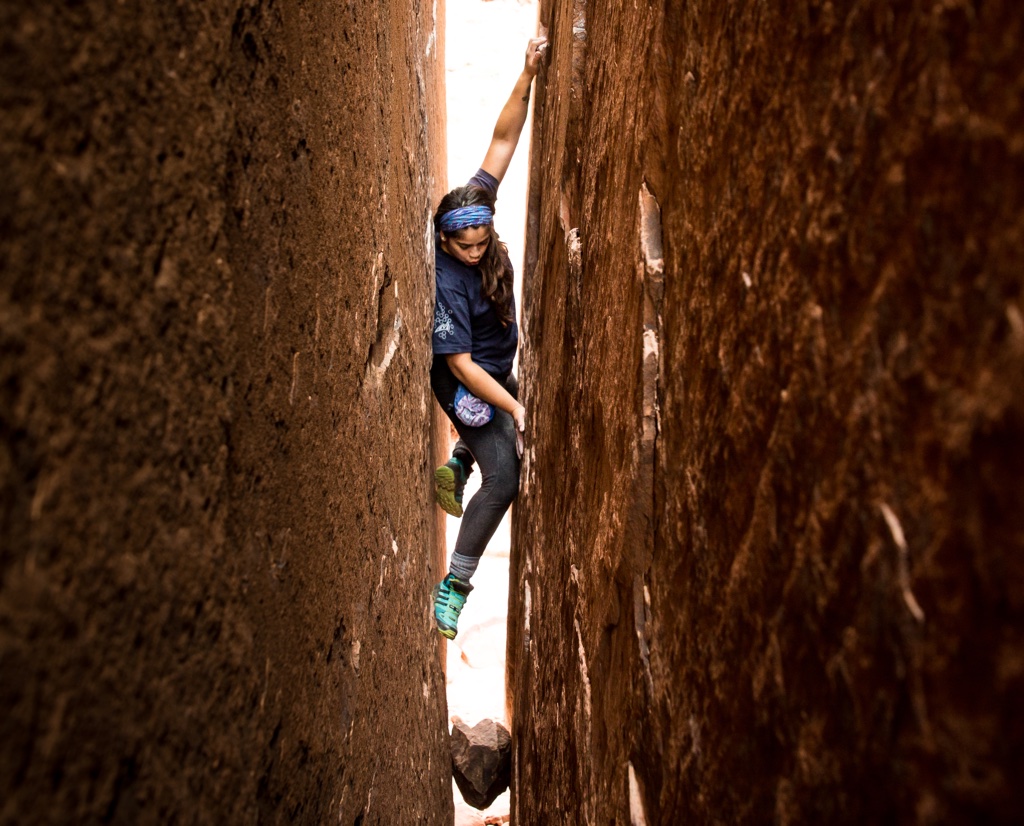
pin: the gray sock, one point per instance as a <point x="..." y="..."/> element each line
<point x="463" y="567"/>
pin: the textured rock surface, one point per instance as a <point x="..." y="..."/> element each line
<point x="769" y="556"/>
<point x="214" y="302"/>
<point x="481" y="760"/>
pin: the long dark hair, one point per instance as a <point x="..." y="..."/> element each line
<point x="495" y="266"/>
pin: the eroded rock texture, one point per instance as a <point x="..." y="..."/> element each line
<point x="214" y="313"/>
<point x="769" y="553"/>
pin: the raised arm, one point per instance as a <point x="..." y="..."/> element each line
<point x="513" y="114"/>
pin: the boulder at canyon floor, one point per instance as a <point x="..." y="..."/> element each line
<point x="481" y="760"/>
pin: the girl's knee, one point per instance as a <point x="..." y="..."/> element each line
<point x="506" y="487"/>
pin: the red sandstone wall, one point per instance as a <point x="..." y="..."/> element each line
<point x="214" y="303"/>
<point x="770" y="546"/>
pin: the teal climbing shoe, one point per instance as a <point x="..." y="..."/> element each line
<point x="449" y="483"/>
<point x="449" y="600"/>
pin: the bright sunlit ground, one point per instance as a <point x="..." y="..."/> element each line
<point x="485" y="47"/>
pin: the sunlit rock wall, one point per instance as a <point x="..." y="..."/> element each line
<point x="216" y="531"/>
<point x="769" y="550"/>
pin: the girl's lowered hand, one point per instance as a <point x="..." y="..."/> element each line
<point x="519" y="417"/>
<point x="534" y="52"/>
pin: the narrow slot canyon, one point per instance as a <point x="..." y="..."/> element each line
<point x="480" y="69"/>
<point x="767" y="559"/>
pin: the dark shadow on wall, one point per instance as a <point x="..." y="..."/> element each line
<point x="214" y="461"/>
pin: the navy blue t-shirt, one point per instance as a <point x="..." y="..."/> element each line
<point x="464" y="320"/>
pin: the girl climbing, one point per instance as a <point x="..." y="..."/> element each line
<point x="474" y="344"/>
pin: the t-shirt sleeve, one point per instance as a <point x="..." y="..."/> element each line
<point x="452" y="327"/>
<point x="486" y="181"/>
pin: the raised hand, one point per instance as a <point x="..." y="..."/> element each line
<point x="534" y="53"/>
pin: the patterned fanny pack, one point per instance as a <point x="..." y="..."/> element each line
<point x="470" y="409"/>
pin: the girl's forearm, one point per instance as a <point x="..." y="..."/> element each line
<point x="513" y="114"/>
<point x="482" y="385"/>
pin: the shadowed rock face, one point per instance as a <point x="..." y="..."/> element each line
<point x="214" y="308"/>
<point x="768" y="557"/>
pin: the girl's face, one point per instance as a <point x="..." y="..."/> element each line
<point x="467" y="245"/>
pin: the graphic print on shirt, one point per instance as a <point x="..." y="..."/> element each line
<point x="443" y="326"/>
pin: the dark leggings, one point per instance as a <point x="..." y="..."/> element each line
<point x="493" y="445"/>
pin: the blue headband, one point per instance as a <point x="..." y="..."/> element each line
<point x="467" y="216"/>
